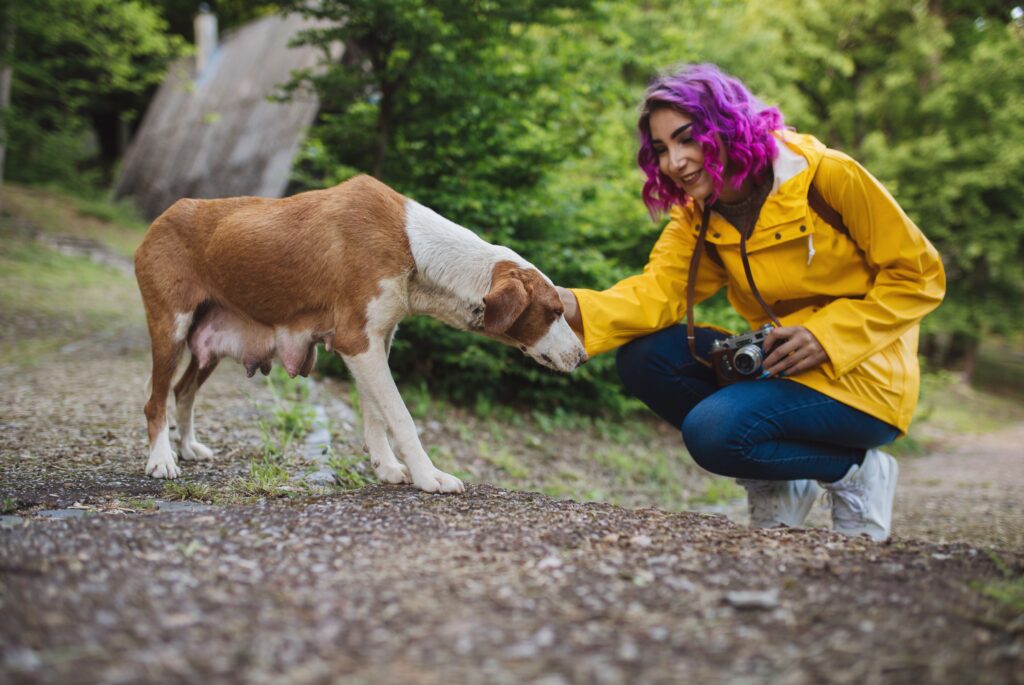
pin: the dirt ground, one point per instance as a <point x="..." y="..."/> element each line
<point x="384" y="584"/>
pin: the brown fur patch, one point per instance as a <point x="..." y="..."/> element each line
<point x="308" y="262"/>
<point x="543" y="306"/>
<point x="314" y="260"/>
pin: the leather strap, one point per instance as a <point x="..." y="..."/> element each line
<point x="750" y="279"/>
<point x="825" y="210"/>
<point x="817" y="204"/>
<point x="691" y="285"/>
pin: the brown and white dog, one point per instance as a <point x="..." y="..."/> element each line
<point x="253" y="278"/>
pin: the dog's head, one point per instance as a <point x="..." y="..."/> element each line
<point x="523" y="309"/>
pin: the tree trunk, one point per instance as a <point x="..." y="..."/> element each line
<point x="6" y="74"/>
<point x="383" y="132"/>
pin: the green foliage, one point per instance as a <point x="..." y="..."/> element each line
<point x="73" y="62"/>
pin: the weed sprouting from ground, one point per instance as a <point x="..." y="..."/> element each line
<point x="139" y="504"/>
<point x="1008" y="591"/>
<point x="185" y="490"/>
<point x="348" y="472"/>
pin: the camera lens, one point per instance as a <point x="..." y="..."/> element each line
<point x="747" y="359"/>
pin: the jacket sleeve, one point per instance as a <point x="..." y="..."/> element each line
<point x="909" y="282"/>
<point x="651" y="300"/>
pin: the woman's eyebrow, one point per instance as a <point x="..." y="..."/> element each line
<point x="681" y="129"/>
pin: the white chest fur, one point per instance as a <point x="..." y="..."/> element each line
<point x="454" y="268"/>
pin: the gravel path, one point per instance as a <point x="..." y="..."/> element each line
<point x="389" y="585"/>
<point x="385" y="584"/>
<point x="973" y="491"/>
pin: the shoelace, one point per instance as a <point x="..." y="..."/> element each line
<point x="850" y="494"/>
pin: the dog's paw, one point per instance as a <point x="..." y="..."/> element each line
<point x="195" y="451"/>
<point x="392" y="473"/>
<point x="162" y="468"/>
<point x="439" y="481"/>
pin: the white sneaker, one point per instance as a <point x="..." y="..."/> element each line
<point x="862" y="499"/>
<point x="779" y="502"/>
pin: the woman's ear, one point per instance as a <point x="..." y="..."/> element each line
<point x="503" y="305"/>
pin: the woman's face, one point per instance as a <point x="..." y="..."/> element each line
<point x="680" y="157"/>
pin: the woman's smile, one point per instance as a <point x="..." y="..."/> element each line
<point x="689" y="179"/>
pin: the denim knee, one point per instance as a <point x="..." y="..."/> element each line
<point x="709" y="433"/>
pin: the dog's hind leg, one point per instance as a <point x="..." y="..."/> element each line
<point x="167" y="348"/>
<point x="373" y="378"/>
<point x="184" y="398"/>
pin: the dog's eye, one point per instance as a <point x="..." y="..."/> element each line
<point x="522" y="348"/>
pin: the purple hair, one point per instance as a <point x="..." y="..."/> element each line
<point x="723" y="110"/>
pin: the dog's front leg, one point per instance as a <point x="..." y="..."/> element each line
<point x="375" y="433"/>
<point x="373" y="378"/>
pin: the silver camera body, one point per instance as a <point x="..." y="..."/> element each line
<point x="740" y="357"/>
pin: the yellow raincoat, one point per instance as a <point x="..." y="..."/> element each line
<point x="862" y="295"/>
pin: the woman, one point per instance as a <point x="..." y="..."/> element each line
<point x="847" y="284"/>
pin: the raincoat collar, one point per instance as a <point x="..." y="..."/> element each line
<point x="794" y="167"/>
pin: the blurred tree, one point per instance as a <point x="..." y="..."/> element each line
<point x="74" y="60"/>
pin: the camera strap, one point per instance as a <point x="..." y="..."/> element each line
<point x="691" y="285"/>
<point x="691" y="281"/>
<point x="817" y="203"/>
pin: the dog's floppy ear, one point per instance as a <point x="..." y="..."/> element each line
<point x="504" y="304"/>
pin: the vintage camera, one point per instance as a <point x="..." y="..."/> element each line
<point x="739" y="358"/>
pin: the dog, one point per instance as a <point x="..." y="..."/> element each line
<point x="252" y="279"/>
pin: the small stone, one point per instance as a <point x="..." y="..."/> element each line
<point x="549" y="562"/>
<point x="753" y="599"/>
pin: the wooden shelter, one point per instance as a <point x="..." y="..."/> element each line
<point x="211" y="131"/>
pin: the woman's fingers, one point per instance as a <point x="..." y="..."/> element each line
<point x="793" y="350"/>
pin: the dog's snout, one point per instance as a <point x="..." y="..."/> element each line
<point x="546" y="358"/>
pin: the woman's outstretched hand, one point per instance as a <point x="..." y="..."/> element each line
<point x="793" y="349"/>
<point x="572" y="311"/>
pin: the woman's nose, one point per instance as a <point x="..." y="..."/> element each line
<point x="676" y="161"/>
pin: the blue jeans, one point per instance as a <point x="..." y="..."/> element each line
<point x="774" y="429"/>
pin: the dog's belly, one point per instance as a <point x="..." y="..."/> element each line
<point x="222" y="333"/>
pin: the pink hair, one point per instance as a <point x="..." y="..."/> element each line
<point x="723" y="110"/>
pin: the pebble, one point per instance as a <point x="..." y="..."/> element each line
<point x="753" y="599"/>
<point x="62" y="513"/>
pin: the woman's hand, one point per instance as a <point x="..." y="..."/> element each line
<point x="793" y="350"/>
<point x="572" y="311"/>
